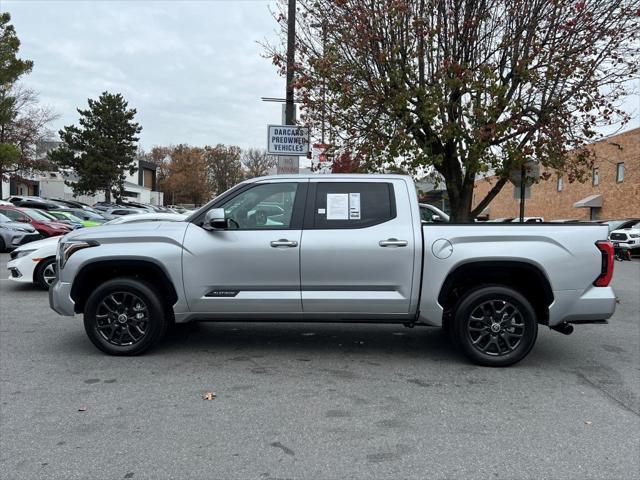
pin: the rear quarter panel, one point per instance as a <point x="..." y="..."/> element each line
<point x="565" y="254"/>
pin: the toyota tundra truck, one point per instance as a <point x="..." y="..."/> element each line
<point x="335" y="248"/>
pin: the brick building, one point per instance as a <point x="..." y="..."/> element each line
<point x="611" y="191"/>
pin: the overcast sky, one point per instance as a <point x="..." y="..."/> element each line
<point x="192" y="69"/>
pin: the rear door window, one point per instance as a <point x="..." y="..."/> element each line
<point x="352" y="204"/>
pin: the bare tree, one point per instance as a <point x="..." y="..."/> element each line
<point x="224" y="168"/>
<point x="185" y="178"/>
<point x="257" y="162"/>
<point x="465" y="87"/>
<point x="25" y="128"/>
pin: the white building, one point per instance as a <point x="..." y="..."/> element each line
<point x="139" y="187"/>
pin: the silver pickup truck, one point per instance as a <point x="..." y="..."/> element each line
<point x="335" y="248"/>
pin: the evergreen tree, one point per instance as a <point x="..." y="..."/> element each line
<point x="102" y="149"/>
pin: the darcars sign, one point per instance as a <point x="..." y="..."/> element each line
<point x="288" y="140"/>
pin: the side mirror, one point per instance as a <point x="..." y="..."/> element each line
<point x="215" y="219"/>
<point x="436" y="218"/>
<point x="23" y="220"/>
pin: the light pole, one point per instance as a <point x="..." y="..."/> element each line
<point x="291" y="58"/>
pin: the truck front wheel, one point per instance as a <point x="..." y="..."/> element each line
<point x="124" y="316"/>
<point x="494" y="326"/>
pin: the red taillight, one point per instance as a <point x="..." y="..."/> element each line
<point x="606" y="270"/>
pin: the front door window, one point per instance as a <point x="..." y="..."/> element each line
<point x="266" y="206"/>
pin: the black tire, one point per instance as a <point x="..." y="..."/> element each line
<point x="134" y="296"/>
<point x="3" y="246"/>
<point x="494" y="326"/>
<point x="42" y="273"/>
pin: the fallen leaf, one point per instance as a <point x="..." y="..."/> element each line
<point x="209" y="396"/>
<point x="588" y="423"/>
<point x="82" y="408"/>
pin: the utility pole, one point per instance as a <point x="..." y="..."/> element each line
<point x="291" y="58"/>
<point x="523" y="190"/>
<point x="290" y="164"/>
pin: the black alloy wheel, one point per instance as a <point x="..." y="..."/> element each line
<point x="125" y="316"/>
<point x="494" y="326"/>
<point x="122" y="318"/>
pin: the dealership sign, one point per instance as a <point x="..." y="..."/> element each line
<point x="288" y="140"/>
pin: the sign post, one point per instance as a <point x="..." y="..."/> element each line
<point x="524" y="177"/>
<point x="287" y="142"/>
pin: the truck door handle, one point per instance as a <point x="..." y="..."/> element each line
<point x="393" y="242"/>
<point x="283" y="242"/>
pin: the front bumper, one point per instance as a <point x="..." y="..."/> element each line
<point x="60" y="298"/>
<point x="625" y="244"/>
<point x="15" y="273"/>
<point x="576" y="306"/>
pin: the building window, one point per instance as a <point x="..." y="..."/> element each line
<point x="560" y="184"/>
<point x="620" y="172"/>
<point x="596" y="176"/>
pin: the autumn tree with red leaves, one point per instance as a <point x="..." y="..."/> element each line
<point x="345" y="162"/>
<point x="463" y="88"/>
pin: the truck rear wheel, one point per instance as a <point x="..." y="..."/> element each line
<point x="124" y="316"/>
<point x="494" y="326"/>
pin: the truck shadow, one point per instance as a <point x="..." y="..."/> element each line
<point x="369" y="343"/>
<point x="301" y="338"/>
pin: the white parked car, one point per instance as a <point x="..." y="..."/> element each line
<point x="528" y="220"/>
<point x="626" y="237"/>
<point x="35" y="262"/>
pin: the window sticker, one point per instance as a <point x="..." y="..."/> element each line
<point x="321" y="211"/>
<point x="337" y="206"/>
<point x="354" y="206"/>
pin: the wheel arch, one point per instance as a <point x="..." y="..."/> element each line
<point x="527" y="278"/>
<point x="94" y="273"/>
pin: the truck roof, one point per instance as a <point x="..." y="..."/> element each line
<point x="354" y="176"/>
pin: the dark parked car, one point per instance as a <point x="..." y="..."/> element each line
<point x="73" y="204"/>
<point x="33" y="202"/>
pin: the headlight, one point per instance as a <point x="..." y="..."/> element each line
<point x="634" y="235"/>
<point x="68" y="248"/>
<point x="20" y="253"/>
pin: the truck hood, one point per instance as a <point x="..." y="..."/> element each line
<point x="131" y="232"/>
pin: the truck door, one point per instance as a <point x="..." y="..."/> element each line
<point x="358" y="247"/>
<point x="254" y="266"/>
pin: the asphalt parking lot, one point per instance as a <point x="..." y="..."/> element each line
<point x="315" y="401"/>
